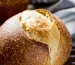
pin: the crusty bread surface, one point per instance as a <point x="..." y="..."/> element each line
<point x="34" y="37"/>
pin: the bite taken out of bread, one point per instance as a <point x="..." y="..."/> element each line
<point x="34" y="37"/>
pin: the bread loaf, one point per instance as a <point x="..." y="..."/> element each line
<point x="34" y="37"/>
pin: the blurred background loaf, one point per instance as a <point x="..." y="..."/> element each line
<point x="9" y="8"/>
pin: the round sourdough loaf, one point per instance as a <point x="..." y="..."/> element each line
<point x="34" y="37"/>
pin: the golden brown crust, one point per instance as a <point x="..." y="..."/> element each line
<point x="65" y="45"/>
<point x="18" y="49"/>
